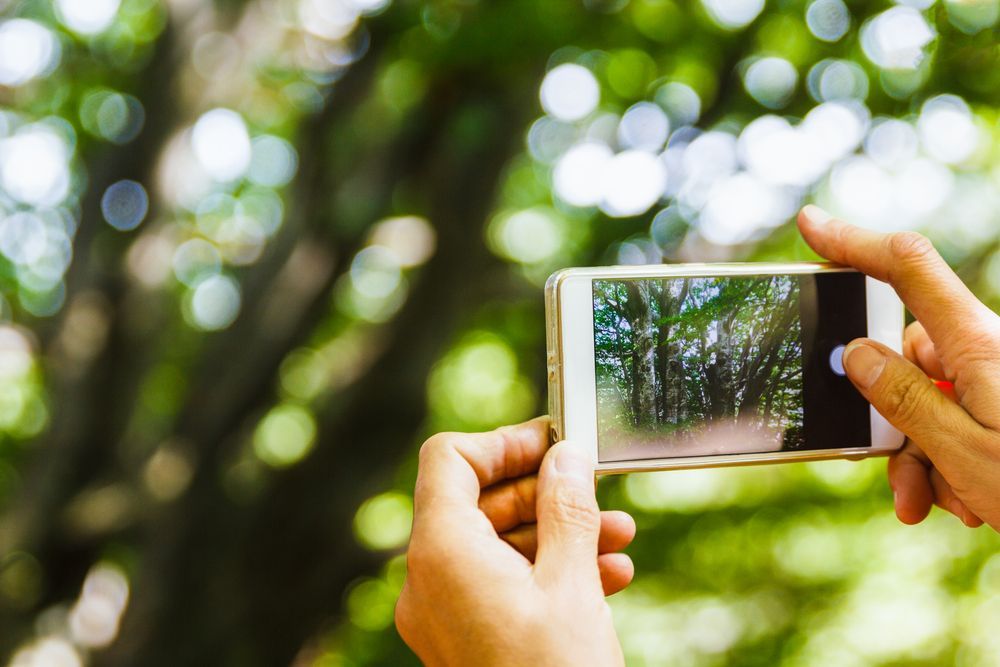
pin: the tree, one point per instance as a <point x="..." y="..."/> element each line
<point x="223" y="404"/>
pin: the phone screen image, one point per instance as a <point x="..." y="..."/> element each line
<point x="705" y="366"/>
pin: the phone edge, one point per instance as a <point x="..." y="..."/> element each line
<point x="554" y="364"/>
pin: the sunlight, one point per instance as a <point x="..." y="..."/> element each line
<point x="34" y="165"/>
<point x="221" y="144"/>
<point x="125" y="205"/>
<point x="897" y="38"/>
<point x="644" y="127"/>
<point x="771" y="81"/>
<point x="733" y="14"/>
<point x="87" y="17"/>
<point x="94" y="619"/>
<point x="214" y="303"/>
<point x="578" y="176"/>
<point x="947" y="129"/>
<point x="828" y="20"/>
<point x="569" y="92"/>
<point x="28" y="50"/>
<point x="633" y="181"/>
<point x="285" y="435"/>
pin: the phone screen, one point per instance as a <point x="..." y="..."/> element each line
<point x="705" y="366"/>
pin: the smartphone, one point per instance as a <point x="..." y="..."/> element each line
<point x="699" y="365"/>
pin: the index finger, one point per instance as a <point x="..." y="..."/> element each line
<point x="455" y="466"/>
<point x="907" y="261"/>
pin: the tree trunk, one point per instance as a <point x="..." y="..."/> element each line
<point x="643" y="353"/>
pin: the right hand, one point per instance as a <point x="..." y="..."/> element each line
<point x="952" y="453"/>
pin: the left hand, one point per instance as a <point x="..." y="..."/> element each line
<point x="510" y="558"/>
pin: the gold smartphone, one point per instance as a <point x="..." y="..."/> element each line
<point x="698" y="365"/>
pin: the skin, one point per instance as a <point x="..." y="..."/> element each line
<point x="952" y="453"/>
<point x="510" y="558"/>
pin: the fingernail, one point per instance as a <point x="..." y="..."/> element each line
<point x="572" y="462"/>
<point x="864" y="364"/>
<point x="816" y="215"/>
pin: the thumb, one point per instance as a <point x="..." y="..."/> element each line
<point x="909" y="400"/>
<point x="569" y="521"/>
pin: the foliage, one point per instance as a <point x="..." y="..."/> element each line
<point x="252" y="252"/>
<point x="688" y="360"/>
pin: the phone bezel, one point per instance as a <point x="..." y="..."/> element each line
<point x="572" y="382"/>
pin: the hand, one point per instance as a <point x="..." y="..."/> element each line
<point x="485" y="583"/>
<point x="952" y="454"/>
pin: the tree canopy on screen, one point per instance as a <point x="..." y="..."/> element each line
<point x="676" y="355"/>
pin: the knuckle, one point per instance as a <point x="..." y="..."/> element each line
<point x="904" y="400"/>
<point x="574" y="507"/>
<point x="524" y="500"/>
<point x="435" y="445"/>
<point x="908" y="248"/>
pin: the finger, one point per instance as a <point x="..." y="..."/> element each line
<point x="945" y="498"/>
<point x="569" y="522"/>
<point x="511" y="503"/>
<point x="918" y="348"/>
<point x="454" y="467"/>
<point x="911" y="487"/>
<point x="617" y="532"/>
<point x="616" y="572"/>
<point x="909" y="400"/>
<point x="908" y="262"/>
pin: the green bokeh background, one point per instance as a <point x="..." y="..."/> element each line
<point x="245" y="466"/>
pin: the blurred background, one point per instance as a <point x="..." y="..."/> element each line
<point x="253" y="252"/>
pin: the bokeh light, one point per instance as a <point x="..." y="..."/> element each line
<point x="125" y="205"/>
<point x="284" y="436"/>
<point x="529" y="236"/>
<point x="87" y="17"/>
<point x="27" y="50"/>
<point x="973" y="16"/>
<point x="680" y="101"/>
<point x="644" y="126"/>
<point x="303" y="185"/>
<point x="383" y="522"/>
<point x="828" y="20"/>
<point x="411" y="239"/>
<point x="214" y="303"/>
<point x="633" y="181"/>
<point x="34" y="165"/>
<point x="196" y="260"/>
<point x="771" y="81"/>
<point x="478" y="383"/>
<point x="569" y="92"/>
<point x="947" y="130"/>
<point x="578" y="176"/>
<point x="733" y="14"/>
<point x="273" y="161"/>
<point x="112" y="116"/>
<point x="95" y="618"/>
<point x="834" y="79"/>
<point x="897" y="38"/>
<point x="221" y="143"/>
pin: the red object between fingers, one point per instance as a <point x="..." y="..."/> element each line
<point x="948" y="388"/>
